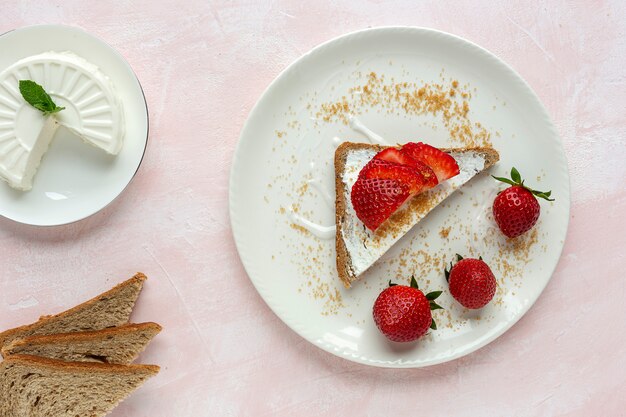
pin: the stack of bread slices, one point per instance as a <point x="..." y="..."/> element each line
<point x="78" y="362"/>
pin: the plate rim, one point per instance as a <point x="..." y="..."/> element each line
<point x="237" y="232"/>
<point x="83" y="32"/>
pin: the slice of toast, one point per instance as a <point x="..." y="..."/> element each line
<point x="119" y="345"/>
<point x="109" y="309"/>
<point x="41" y="387"/>
<point x="358" y="248"/>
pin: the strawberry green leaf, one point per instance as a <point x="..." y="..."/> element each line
<point x="391" y="284"/>
<point x="543" y="194"/>
<point x="433" y="295"/>
<point x="515" y="175"/>
<point x="447" y="272"/>
<point x="433" y="325"/>
<point x="480" y="258"/>
<point x="458" y="257"/>
<point x="435" y="306"/>
<point x="506" y="180"/>
<point x="516" y="179"/>
<point x="414" y="282"/>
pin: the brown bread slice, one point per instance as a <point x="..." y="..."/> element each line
<point x="119" y="345"/>
<point x="345" y="269"/>
<point x="109" y="309"/>
<point x="39" y="387"/>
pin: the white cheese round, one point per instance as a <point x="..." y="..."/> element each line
<point x="92" y="112"/>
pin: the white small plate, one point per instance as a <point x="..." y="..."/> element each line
<point x="285" y="160"/>
<point x="76" y="180"/>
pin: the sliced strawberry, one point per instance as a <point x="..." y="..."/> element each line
<point x="430" y="178"/>
<point x="374" y="163"/>
<point x="394" y="175"/>
<point x="405" y="175"/>
<point x="375" y="200"/>
<point x="396" y="156"/>
<point x="444" y="165"/>
<point x="393" y="155"/>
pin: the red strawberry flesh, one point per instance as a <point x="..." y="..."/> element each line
<point x="401" y="176"/>
<point x="399" y="156"/>
<point x="375" y="199"/>
<point x="405" y="175"/>
<point x="444" y="165"/>
<point x="430" y="178"/>
<point x="395" y="156"/>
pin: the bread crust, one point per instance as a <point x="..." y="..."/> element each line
<point x="90" y="336"/>
<point x="344" y="260"/>
<point x="345" y="269"/>
<point x="86" y="367"/>
<point x="18" y="332"/>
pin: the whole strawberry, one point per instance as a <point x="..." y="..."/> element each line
<point x="403" y="314"/>
<point x="516" y="209"/>
<point x="471" y="282"/>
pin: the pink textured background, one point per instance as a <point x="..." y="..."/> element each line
<point x="203" y="64"/>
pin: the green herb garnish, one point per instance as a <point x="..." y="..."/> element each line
<point x="36" y="96"/>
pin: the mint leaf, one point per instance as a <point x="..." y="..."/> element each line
<point x="36" y="96"/>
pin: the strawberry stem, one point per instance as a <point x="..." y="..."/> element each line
<point x="516" y="180"/>
<point x="447" y="271"/>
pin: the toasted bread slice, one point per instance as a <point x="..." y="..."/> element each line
<point x="119" y="345"/>
<point x="40" y="387"/>
<point x="109" y="309"/>
<point x="358" y="248"/>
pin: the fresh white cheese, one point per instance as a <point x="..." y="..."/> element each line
<point x="366" y="247"/>
<point x="92" y="112"/>
<point x="23" y="145"/>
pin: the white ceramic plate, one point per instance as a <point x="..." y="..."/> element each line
<point x="284" y="160"/>
<point x="76" y="180"/>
